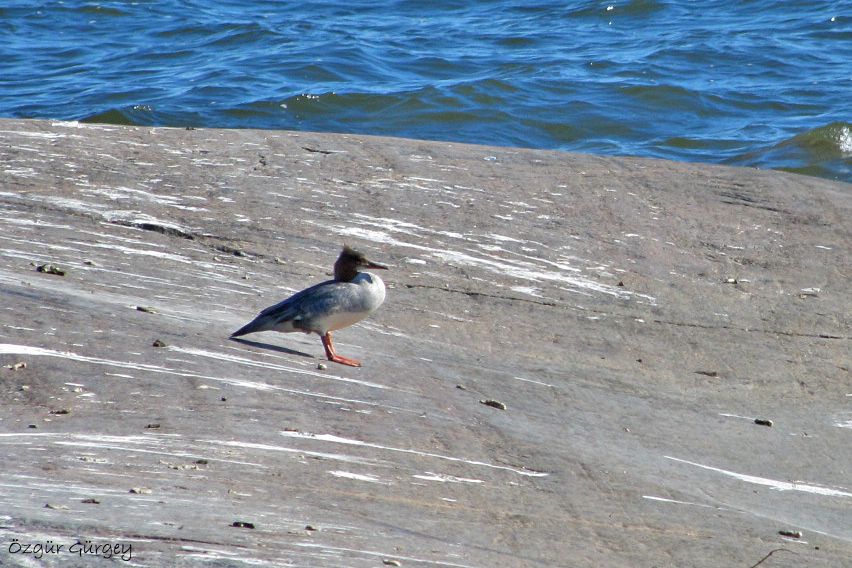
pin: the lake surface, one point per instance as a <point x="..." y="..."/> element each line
<point x="764" y="84"/>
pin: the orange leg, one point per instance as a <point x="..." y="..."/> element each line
<point x="332" y="356"/>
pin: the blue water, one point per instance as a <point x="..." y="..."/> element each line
<point x="765" y="84"/>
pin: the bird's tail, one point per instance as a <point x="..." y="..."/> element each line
<point x="268" y="319"/>
<point x="250" y="327"/>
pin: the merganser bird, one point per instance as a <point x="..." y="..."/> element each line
<point x="327" y="306"/>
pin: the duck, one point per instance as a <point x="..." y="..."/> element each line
<point x="328" y="306"/>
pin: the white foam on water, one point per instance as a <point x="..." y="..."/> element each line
<point x="844" y="140"/>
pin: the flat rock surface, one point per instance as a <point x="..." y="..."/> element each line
<point x="633" y="316"/>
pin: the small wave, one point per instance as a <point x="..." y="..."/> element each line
<point x="825" y="151"/>
<point x="111" y="116"/>
<point x="831" y="141"/>
<point x="144" y="115"/>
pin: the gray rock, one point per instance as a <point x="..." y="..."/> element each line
<point x="584" y="291"/>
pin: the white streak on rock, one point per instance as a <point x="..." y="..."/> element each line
<point x="348" y="441"/>
<point x="774" y="484"/>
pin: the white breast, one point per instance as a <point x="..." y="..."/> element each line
<point x="374" y="290"/>
<point x="368" y="295"/>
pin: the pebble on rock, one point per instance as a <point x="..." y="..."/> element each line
<point x="242" y="525"/>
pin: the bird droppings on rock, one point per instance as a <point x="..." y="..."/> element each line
<point x="763" y="422"/>
<point x="50" y="269"/>
<point x="146" y="309"/>
<point x="140" y="491"/>
<point x="493" y="403"/>
<point x="158" y="343"/>
<point x="242" y="525"/>
<point x="790" y="534"/>
<point x="731" y="281"/>
<point x="388" y="562"/>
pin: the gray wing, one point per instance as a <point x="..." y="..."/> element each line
<point x="301" y="308"/>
